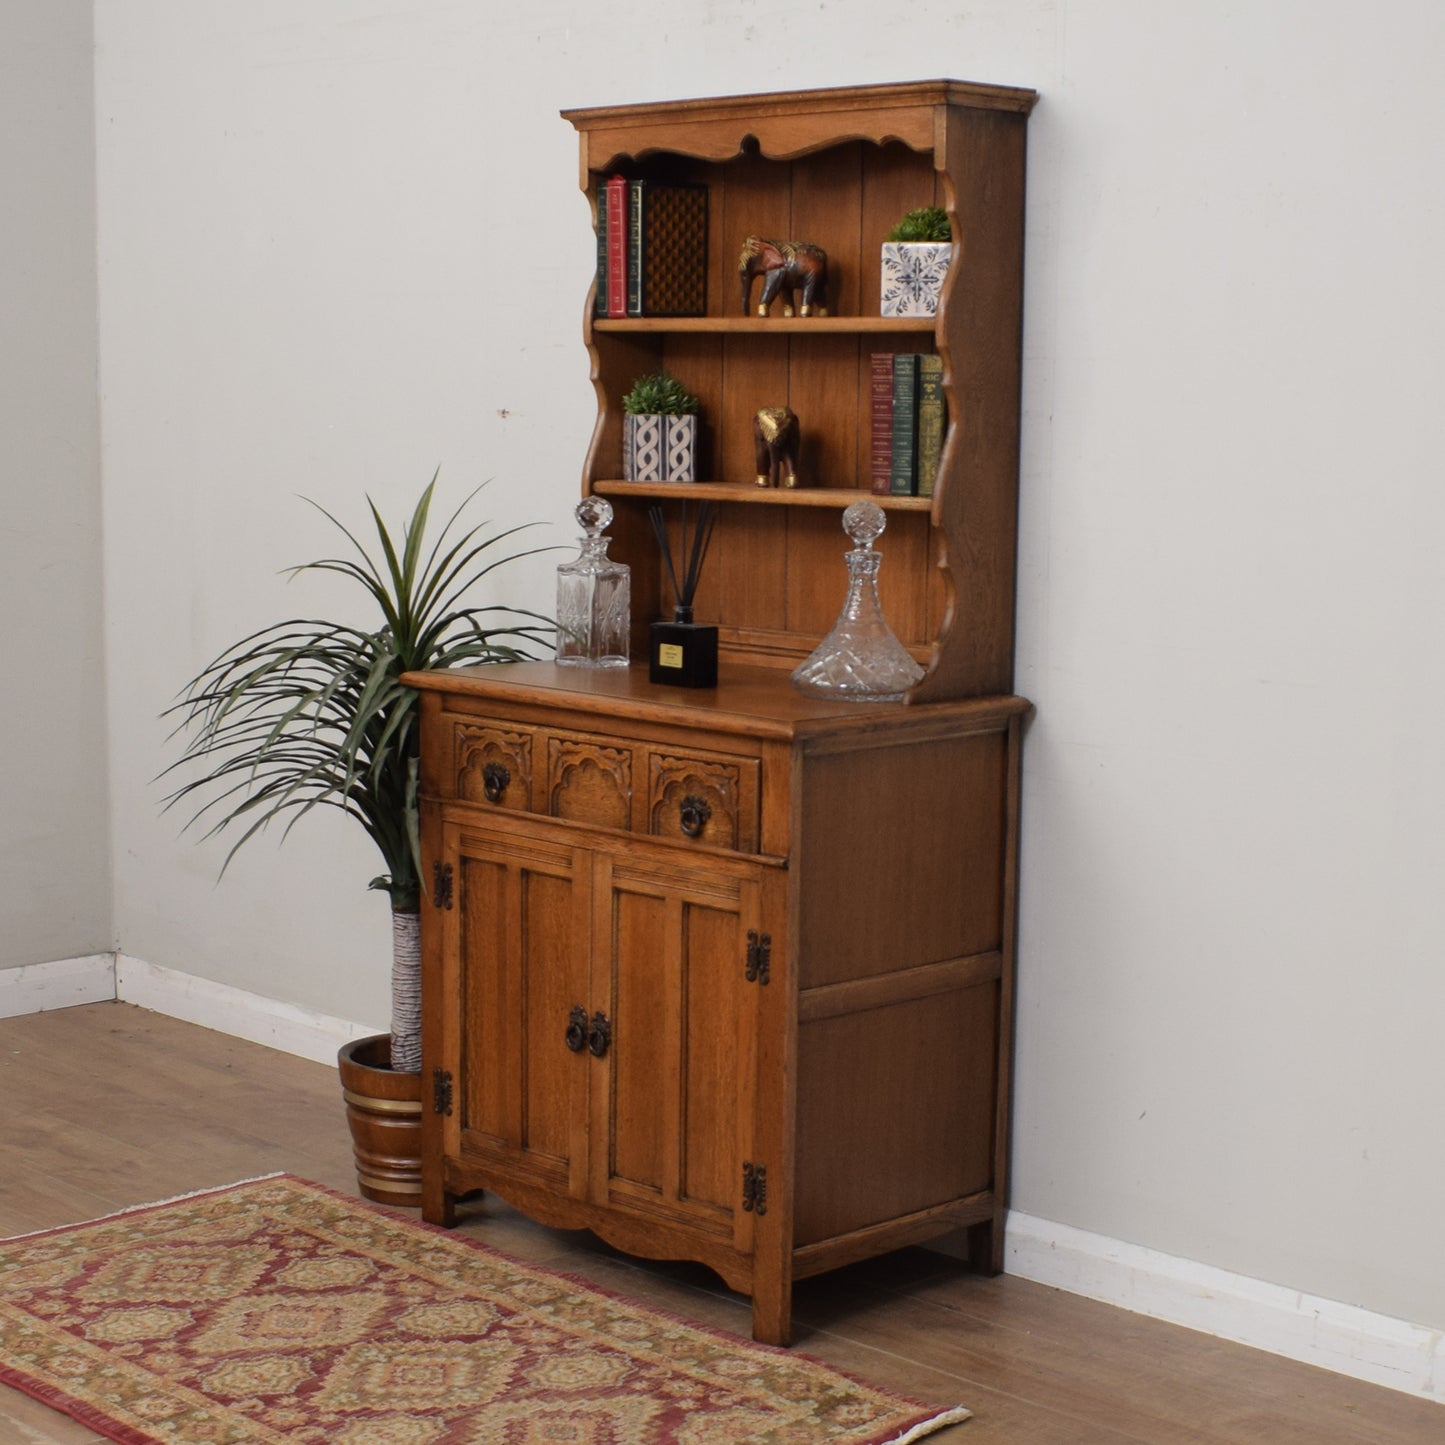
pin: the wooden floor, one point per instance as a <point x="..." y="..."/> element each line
<point x="107" y="1105"/>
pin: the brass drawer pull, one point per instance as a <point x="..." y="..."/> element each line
<point x="693" y="814"/>
<point x="495" y="777"/>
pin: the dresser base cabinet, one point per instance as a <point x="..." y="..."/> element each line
<point x="720" y="976"/>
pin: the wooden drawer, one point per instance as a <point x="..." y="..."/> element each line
<point x="693" y="797"/>
<point x="493" y="764"/>
<point x="708" y="799"/>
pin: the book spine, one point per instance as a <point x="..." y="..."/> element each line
<point x="930" y="420"/>
<point x="903" y="475"/>
<point x="634" y="248"/>
<point x="617" y="246"/>
<point x="599" y="305"/>
<point x="880" y="452"/>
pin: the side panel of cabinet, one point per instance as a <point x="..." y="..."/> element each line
<point x="675" y="1096"/>
<point x="521" y="944"/>
<point x="905" y="958"/>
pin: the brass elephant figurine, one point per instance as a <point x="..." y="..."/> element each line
<point x="775" y="442"/>
<point x="786" y="266"/>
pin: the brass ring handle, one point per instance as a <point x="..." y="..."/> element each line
<point x="693" y="814"/>
<point x="600" y="1038"/>
<point x="495" y="778"/>
<point x="577" y="1029"/>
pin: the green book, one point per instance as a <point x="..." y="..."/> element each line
<point x="903" y="475"/>
<point x="634" y="248"/>
<point x="930" y="420"/>
<point x="599" y="306"/>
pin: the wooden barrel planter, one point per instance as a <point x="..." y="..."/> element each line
<point x="383" y="1110"/>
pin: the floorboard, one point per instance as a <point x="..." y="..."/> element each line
<point x="107" y="1105"/>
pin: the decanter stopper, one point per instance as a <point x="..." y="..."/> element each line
<point x="860" y="660"/>
<point x="594" y="596"/>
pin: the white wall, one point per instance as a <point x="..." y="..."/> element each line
<point x="1232" y="605"/>
<point x="54" y="818"/>
<point x="341" y="244"/>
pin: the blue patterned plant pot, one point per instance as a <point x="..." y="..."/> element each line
<point x="659" y="448"/>
<point x="913" y="273"/>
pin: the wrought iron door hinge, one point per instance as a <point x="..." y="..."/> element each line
<point x="441" y="1090"/>
<point x="441" y="893"/>
<point x="755" y="1188"/>
<point x="760" y="956"/>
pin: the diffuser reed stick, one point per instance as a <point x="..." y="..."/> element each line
<point x="685" y="590"/>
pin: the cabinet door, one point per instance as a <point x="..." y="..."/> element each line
<point x="672" y="1103"/>
<point x="521" y="946"/>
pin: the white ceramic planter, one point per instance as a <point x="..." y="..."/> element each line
<point x="913" y="273"/>
<point x="659" y="448"/>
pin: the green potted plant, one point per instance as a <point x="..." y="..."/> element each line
<point x="309" y="713"/>
<point x="916" y="257"/>
<point x="659" y="430"/>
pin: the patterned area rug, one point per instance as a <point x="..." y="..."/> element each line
<point x="276" y="1310"/>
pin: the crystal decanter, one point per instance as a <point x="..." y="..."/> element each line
<point x="594" y="597"/>
<point x="860" y="660"/>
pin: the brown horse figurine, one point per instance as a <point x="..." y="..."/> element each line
<point x="786" y="266"/>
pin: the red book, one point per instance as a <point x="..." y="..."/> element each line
<point x="618" y="211"/>
<point x="880" y="452"/>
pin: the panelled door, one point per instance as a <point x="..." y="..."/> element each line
<point x="519" y="981"/>
<point x="672" y="1111"/>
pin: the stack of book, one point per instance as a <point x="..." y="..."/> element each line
<point x="907" y="422"/>
<point x="651" y="248"/>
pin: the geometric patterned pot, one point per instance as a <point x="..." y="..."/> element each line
<point x="913" y="273"/>
<point x="658" y="448"/>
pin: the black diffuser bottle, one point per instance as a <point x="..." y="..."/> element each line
<point x="681" y="653"/>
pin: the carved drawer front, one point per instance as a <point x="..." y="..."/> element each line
<point x="589" y="781"/>
<point x="710" y="800"/>
<point x="493" y="765"/>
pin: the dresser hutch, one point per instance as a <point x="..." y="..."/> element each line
<point x="727" y="974"/>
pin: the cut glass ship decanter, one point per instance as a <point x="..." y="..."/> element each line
<point x="594" y="597"/>
<point x="860" y="660"/>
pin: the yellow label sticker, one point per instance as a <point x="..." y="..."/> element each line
<point x="669" y="654"/>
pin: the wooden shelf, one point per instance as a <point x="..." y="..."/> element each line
<point x="748" y="494"/>
<point x="837" y="168"/>
<point x="770" y="325"/>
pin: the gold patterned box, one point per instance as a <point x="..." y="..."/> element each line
<point x="667" y="271"/>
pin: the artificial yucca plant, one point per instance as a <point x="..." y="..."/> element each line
<point x="311" y="713"/>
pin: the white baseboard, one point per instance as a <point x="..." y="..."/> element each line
<point x="1316" y="1331"/>
<point x="234" y="1011"/>
<point x="36" y="987"/>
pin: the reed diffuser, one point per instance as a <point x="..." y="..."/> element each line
<point x="683" y="653"/>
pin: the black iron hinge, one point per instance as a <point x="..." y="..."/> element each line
<point x="760" y="956"/>
<point x="441" y="893"/>
<point x="441" y="1089"/>
<point x="755" y="1188"/>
